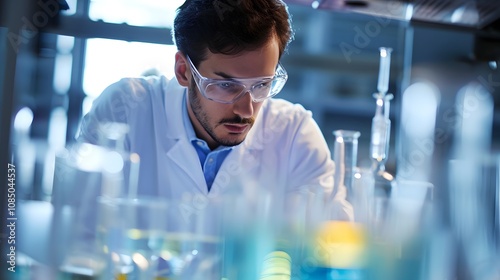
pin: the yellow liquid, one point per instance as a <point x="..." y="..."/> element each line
<point x="341" y="244"/>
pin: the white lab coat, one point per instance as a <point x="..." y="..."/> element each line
<point x="283" y="153"/>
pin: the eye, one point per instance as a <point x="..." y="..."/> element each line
<point x="263" y="84"/>
<point x="226" y="85"/>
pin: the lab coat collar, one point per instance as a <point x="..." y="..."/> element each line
<point x="181" y="152"/>
<point x="174" y="93"/>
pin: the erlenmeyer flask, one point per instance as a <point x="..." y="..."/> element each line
<point x="345" y="154"/>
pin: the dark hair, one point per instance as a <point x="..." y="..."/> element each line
<point x="230" y="26"/>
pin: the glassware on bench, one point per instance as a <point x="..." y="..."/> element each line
<point x="349" y="178"/>
<point x="130" y="233"/>
<point x="154" y="238"/>
<point x="380" y="139"/>
<point x="83" y="172"/>
<point x="379" y="150"/>
<point x="345" y="153"/>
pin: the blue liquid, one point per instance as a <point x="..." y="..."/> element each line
<point x="324" y="273"/>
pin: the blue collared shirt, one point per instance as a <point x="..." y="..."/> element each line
<point x="211" y="161"/>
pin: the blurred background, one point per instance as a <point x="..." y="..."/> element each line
<point x="57" y="56"/>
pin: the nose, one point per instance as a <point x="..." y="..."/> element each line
<point x="243" y="107"/>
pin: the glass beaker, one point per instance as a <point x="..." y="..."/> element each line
<point x="131" y="232"/>
<point x="83" y="172"/>
<point x="345" y="154"/>
<point x="77" y="181"/>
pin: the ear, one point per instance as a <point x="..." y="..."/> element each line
<point x="182" y="71"/>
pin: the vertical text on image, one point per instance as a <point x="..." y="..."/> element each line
<point x="11" y="217"/>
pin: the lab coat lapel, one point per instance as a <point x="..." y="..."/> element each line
<point x="180" y="151"/>
<point x="184" y="156"/>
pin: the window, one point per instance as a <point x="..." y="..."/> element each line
<point x="133" y="12"/>
<point x="107" y="61"/>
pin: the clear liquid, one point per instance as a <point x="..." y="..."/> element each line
<point x="79" y="271"/>
<point x="149" y="254"/>
<point x="81" y="266"/>
<point x="190" y="256"/>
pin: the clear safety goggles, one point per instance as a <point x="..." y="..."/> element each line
<point x="228" y="91"/>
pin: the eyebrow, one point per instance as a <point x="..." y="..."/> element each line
<point x="224" y="75"/>
<point x="229" y="77"/>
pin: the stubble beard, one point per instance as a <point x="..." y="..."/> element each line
<point x="203" y="119"/>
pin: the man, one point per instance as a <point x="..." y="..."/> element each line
<point x="214" y="128"/>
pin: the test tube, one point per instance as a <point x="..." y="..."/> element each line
<point x="384" y="70"/>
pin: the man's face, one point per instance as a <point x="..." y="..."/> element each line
<point x="229" y="124"/>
